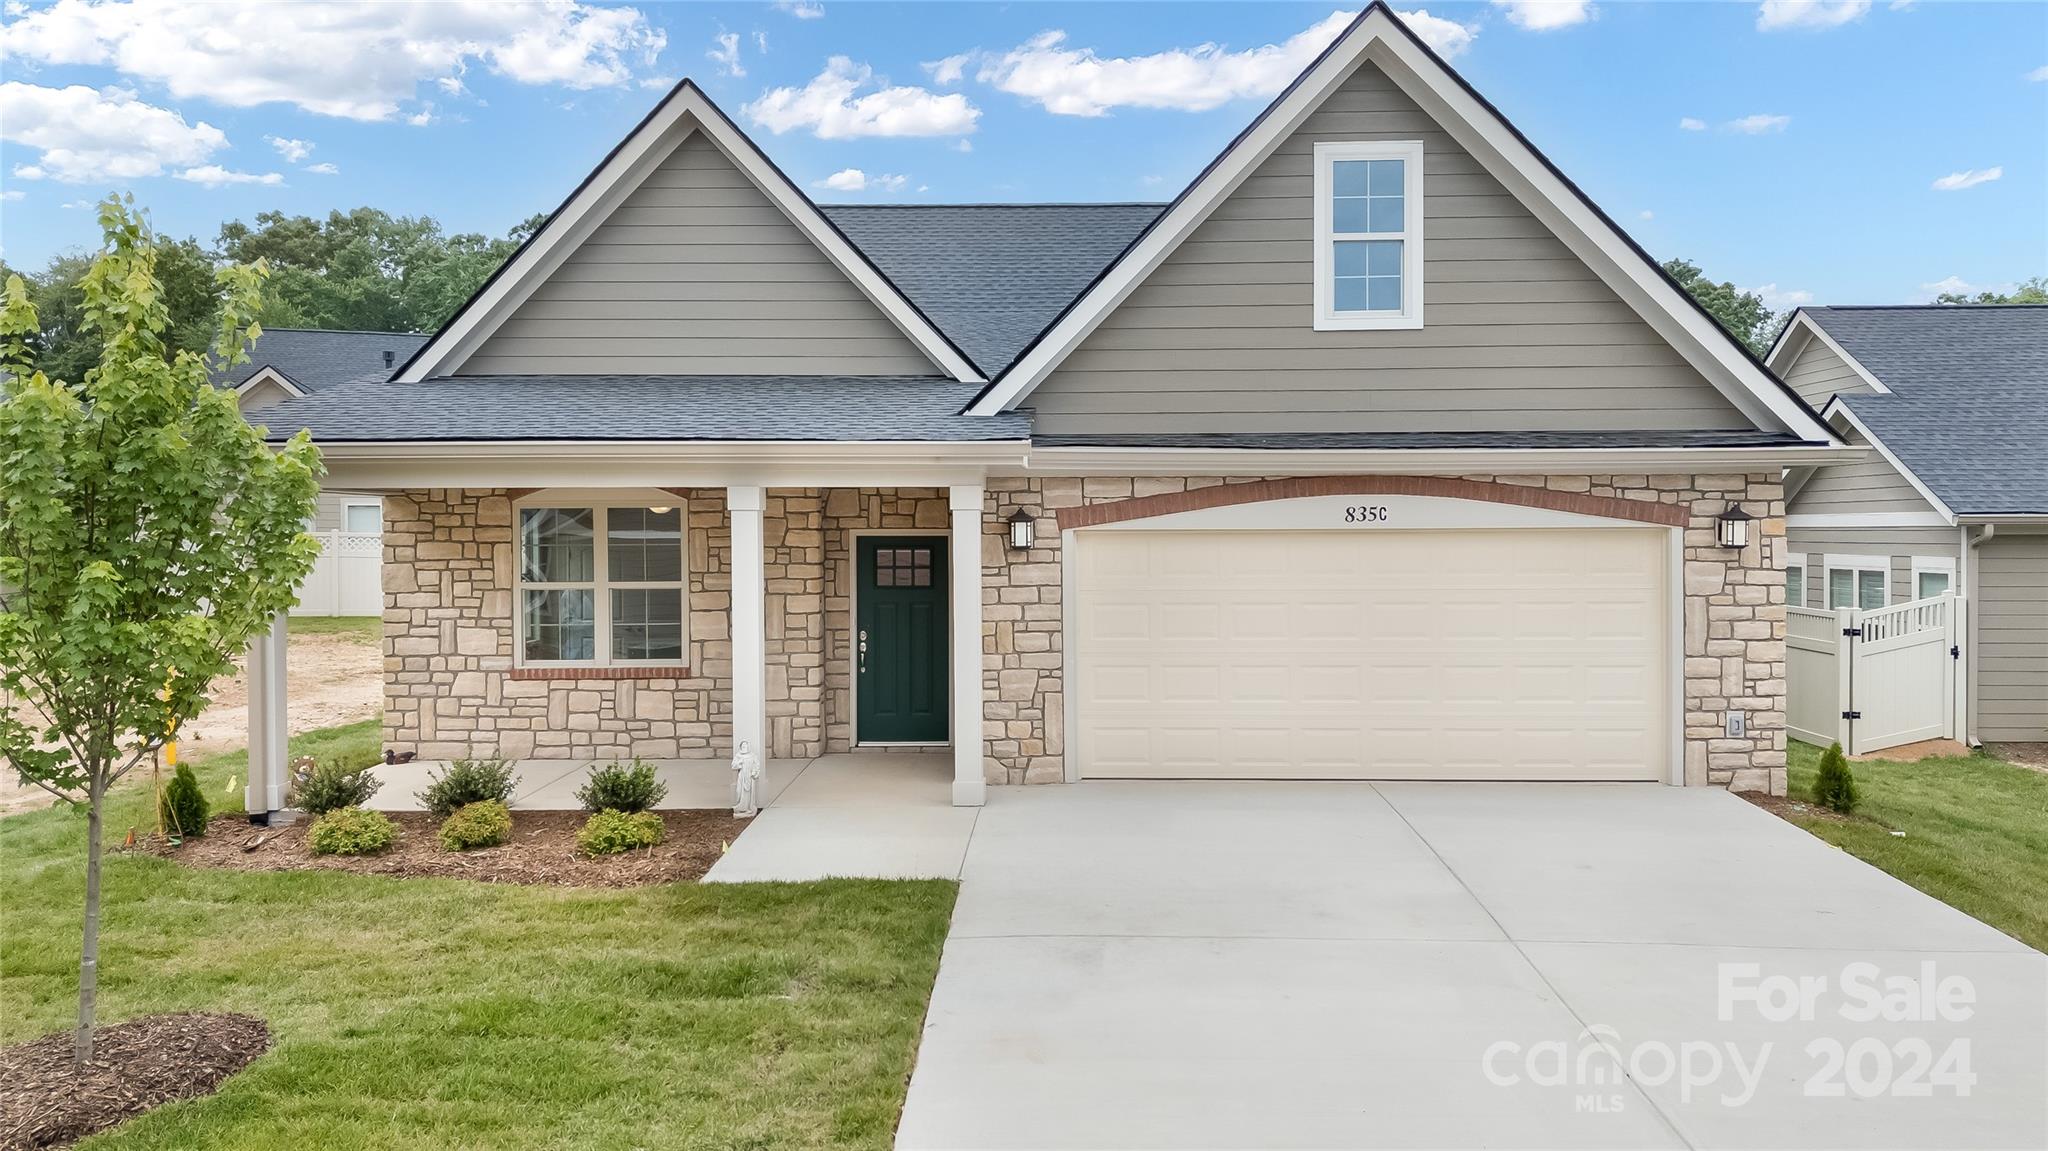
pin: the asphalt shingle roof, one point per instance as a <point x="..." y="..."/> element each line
<point x="315" y="359"/>
<point x="1968" y="411"/>
<point x="992" y="276"/>
<point x="823" y="408"/>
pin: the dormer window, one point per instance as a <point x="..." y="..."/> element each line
<point x="1368" y="261"/>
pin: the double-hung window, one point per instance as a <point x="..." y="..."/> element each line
<point x="601" y="585"/>
<point x="1858" y="582"/>
<point x="1368" y="218"/>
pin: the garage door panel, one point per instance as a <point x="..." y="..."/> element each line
<point x="1428" y="655"/>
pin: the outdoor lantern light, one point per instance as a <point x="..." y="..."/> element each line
<point x="1735" y="527"/>
<point x="1020" y="529"/>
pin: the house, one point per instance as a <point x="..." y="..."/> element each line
<point x="1245" y="485"/>
<point x="1953" y="400"/>
<point x="285" y="363"/>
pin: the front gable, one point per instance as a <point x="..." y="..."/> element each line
<point x="1539" y="313"/>
<point x="1814" y="365"/>
<point x="1519" y="335"/>
<point x="686" y="252"/>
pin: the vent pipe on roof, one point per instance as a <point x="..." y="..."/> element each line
<point x="389" y="357"/>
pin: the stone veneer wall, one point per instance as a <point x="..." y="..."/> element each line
<point x="1734" y="608"/>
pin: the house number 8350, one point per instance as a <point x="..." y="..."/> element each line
<point x="1365" y="514"/>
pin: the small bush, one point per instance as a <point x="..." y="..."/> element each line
<point x="319" y="787"/>
<point x="468" y="781"/>
<point x="611" y="832"/>
<point x="625" y="787"/>
<point x="1834" y="787"/>
<point x="351" y="831"/>
<point x="485" y="823"/>
<point x="183" y="804"/>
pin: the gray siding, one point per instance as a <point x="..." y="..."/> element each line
<point x="1519" y="333"/>
<point x="1871" y="486"/>
<point x="2010" y="577"/>
<point x="1901" y="544"/>
<point x="1817" y="373"/>
<point x="697" y="273"/>
<point x="261" y="396"/>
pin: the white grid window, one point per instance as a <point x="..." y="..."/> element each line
<point x="1860" y="582"/>
<point x="1368" y="212"/>
<point x="601" y="585"/>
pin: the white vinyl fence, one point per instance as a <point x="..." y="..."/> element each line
<point x="1879" y="678"/>
<point x="348" y="578"/>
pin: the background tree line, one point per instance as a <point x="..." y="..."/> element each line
<point x="364" y="269"/>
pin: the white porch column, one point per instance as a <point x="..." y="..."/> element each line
<point x="269" y="727"/>
<point x="749" y="645"/>
<point x="969" y="786"/>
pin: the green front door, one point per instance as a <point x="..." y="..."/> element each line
<point x="900" y="639"/>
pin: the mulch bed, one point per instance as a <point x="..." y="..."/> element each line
<point x="542" y="850"/>
<point x="137" y="1065"/>
<point x="1788" y="808"/>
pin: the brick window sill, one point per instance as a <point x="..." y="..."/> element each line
<point x="677" y="671"/>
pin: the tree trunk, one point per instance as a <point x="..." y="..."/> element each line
<point x="89" y="957"/>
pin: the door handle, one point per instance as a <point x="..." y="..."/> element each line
<point x="863" y="651"/>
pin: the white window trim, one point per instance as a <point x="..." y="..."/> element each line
<point x="1946" y="565"/>
<point x="347" y="504"/>
<point x="1882" y="565"/>
<point x="600" y="503"/>
<point x="1327" y="317"/>
<point x="1799" y="560"/>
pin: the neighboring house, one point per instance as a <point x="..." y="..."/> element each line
<point x="1083" y="491"/>
<point x="1954" y="400"/>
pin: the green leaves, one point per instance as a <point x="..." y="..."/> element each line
<point x="146" y="531"/>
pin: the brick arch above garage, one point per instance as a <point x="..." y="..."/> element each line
<point x="1450" y="487"/>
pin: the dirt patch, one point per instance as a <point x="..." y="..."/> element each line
<point x="2033" y="756"/>
<point x="542" y="850"/>
<point x="329" y="680"/>
<point x="1915" y="752"/>
<point x="137" y="1065"/>
<point x="1793" y="810"/>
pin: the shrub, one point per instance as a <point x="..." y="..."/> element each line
<point x="611" y="832"/>
<point x="468" y="781"/>
<point x="485" y="823"/>
<point x="319" y="787"/>
<point x="1833" y="785"/>
<point x="621" y="787"/>
<point x="351" y="831"/>
<point x="183" y="804"/>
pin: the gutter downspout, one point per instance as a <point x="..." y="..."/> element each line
<point x="1970" y="671"/>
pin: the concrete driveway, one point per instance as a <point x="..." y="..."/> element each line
<point x="1181" y="965"/>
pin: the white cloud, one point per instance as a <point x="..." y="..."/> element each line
<point x="1772" y="15"/>
<point x="1759" y="124"/>
<point x="215" y="176"/>
<point x="727" y="54"/>
<point x="1546" y="15"/>
<point x="334" y="57"/>
<point x="963" y="144"/>
<point x="855" y="180"/>
<point x="1969" y="178"/>
<point x="1780" y="299"/>
<point x="88" y="136"/>
<point x="1448" y="37"/>
<point x="76" y="205"/>
<point x="1692" y="124"/>
<point x="801" y="9"/>
<point x="292" y="150"/>
<point x="832" y="109"/>
<point x="13" y="194"/>
<point x="2038" y="75"/>
<point x="1958" y="286"/>
<point x="1646" y="214"/>
<point x="324" y="169"/>
<point x="760" y="42"/>
<point x="950" y="69"/>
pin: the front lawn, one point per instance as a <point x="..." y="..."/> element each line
<point x="1976" y="832"/>
<point x="367" y="628"/>
<point x="444" y="1013"/>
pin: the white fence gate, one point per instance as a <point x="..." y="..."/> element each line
<point x="347" y="579"/>
<point x="1879" y="678"/>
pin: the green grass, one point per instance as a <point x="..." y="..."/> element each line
<point x="368" y="628"/>
<point x="1976" y="832"/>
<point x="440" y="1013"/>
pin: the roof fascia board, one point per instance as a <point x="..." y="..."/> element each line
<point x="686" y="109"/>
<point x="1814" y="331"/>
<point x="1836" y="408"/>
<point x="1483" y="132"/>
<point x="268" y="375"/>
<point x="582" y="463"/>
<point x="1411" y="461"/>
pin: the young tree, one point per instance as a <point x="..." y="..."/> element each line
<point x="146" y="535"/>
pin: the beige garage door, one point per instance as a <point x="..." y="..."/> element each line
<point x="1519" y="654"/>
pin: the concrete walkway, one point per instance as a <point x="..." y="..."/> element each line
<point x="1183" y="965"/>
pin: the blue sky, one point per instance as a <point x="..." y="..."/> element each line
<point x="1799" y="147"/>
